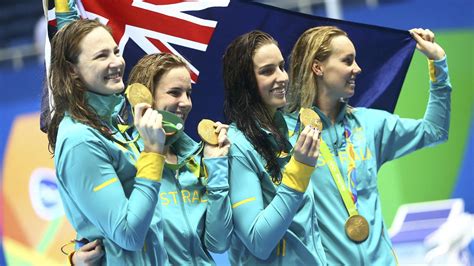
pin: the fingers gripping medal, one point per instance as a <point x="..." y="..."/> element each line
<point x="207" y="132"/>
<point x="172" y="124"/>
<point x="357" y="228"/>
<point x="311" y="118"/>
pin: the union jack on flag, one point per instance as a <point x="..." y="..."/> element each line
<point x="154" y="25"/>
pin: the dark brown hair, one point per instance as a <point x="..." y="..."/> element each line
<point x="243" y="104"/>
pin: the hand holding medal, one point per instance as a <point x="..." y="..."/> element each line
<point x="172" y="124"/>
<point x="207" y="132"/>
<point x="308" y="117"/>
<point x="306" y="148"/>
<point x="214" y="135"/>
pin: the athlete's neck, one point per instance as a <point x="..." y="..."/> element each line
<point x="329" y="107"/>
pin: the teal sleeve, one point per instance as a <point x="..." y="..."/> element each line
<point x="399" y="136"/>
<point x="63" y="18"/>
<point x="259" y="226"/>
<point x="219" y="224"/>
<point x="87" y="175"/>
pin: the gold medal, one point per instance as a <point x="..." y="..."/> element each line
<point x="357" y="228"/>
<point x="138" y="93"/>
<point x="207" y="132"/>
<point x="310" y="117"/>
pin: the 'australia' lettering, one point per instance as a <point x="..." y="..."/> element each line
<point x="187" y="196"/>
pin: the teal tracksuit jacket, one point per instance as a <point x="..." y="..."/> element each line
<point x="196" y="209"/>
<point x="104" y="196"/>
<point x="273" y="224"/>
<point x="377" y="137"/>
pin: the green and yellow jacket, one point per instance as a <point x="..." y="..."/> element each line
<point x="109" y="189"/>
<point x="377" y="137"/>
<point x="273" y="224"/>
<point x="195" y="205"/>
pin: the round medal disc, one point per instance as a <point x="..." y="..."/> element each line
<point x="310" y="117"/>
<point x="138" y="93"/>
<point x="357" y="228"/>
<point x="207" y="132"/>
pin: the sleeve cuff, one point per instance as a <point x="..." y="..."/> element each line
<point x="150" y="166"/>
<point x="438" y="70"/>
<point x="61" y="6"/>
<point x="64" y="18"/>
<point x="297" y="175"/>
<point x="218" y="171"/>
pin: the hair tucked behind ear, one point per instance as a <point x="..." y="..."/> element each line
<point x="69" y="92"/>
<point x="242" y="102"/>
<point x="313" y="44"/>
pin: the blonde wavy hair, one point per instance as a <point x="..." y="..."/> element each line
<point x="313" y="44"/>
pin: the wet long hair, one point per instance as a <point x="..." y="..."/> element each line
<point x="313" y="44"/>
<point x="149" y="70"/>
<point x="68" y="90"/>
<point x="243" y="104"/>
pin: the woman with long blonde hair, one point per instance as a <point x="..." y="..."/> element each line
<point x="356" y="142"/>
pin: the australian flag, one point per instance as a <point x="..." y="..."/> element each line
<point x="200" y="30"/>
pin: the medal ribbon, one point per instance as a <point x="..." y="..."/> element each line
<point x="346" y="195"/>
<point x="349" y="197"/>
<point x="351" y="169"/>
<point x="122" y="128"/>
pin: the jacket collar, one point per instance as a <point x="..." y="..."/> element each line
<point x="107" y="107"/>
<point x="185" y="147"/>
<point x="326" y="121"/>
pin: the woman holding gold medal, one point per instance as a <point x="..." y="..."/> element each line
<point x="109" y="185"/>
<point x="357" y="141"/>
<point x="194" y="204"/>
<point x="272" y="207"/>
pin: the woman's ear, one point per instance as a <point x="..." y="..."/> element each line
<point x="317" y="68"/>
<point x="73" y="70"/>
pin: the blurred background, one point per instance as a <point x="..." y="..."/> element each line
<point x="32" y="224"/>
